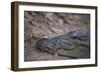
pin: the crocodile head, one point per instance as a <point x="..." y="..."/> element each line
<point x="42" y="44"/>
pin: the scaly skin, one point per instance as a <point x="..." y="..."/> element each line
<point x="75" y="44"/>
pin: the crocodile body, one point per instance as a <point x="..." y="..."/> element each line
<point x="75" y="44"/>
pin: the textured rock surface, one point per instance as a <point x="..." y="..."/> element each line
<point x="40" y="24"/>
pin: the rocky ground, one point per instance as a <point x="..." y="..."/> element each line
<point x="48" y="24"/>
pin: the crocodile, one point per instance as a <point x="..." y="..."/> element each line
<point x="75" y="44"/>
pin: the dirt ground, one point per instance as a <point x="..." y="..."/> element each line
<point x="49" y="24"/>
